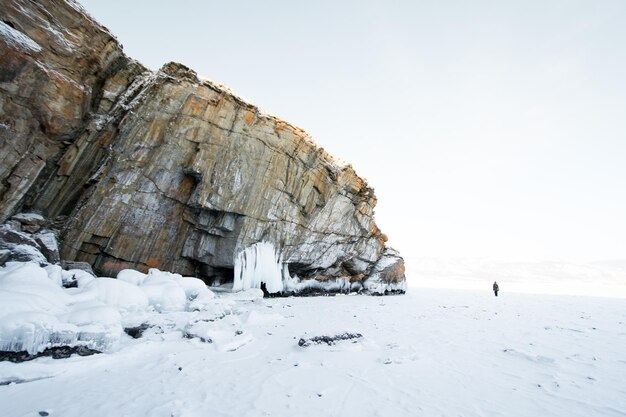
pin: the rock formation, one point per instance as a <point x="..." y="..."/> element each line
<point x="162" y="169"/>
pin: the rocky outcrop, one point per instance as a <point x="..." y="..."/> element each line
<point x="162" y="169"/>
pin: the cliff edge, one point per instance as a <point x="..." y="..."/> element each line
<point x="162" y="169"/>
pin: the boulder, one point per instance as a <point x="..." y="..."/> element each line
<point x="49" y="247"/>
<point x="30" y="222"/>
<point x="26" y="253"/>
<point x="10" y="236"/>
<point x="83" y="266"/>
<point x="29" y="218"/>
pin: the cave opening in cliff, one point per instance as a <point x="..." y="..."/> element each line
<point x="219" y="276"/>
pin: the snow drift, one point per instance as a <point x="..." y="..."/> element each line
<point x="37" y="312"/>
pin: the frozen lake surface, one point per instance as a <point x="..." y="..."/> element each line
<point x="432" y="352"/>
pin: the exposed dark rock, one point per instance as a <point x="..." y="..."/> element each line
<point x="136" y="332"/>
<point x="329" y="340"/>
<point x="60" y="352"/>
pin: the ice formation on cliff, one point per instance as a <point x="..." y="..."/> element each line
<point x="258" y="264"/>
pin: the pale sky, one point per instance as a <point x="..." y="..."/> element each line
<point x="487" y="128"/>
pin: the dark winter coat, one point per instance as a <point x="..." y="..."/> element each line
<point x="495" y="287"/>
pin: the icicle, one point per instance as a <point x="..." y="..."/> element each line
<point x="259" y="263"/>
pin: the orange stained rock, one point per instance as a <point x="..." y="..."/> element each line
<point x="249" y="117"/>
<point x="195" y="106"/>
<point x="153" y="262"/>
<point x="280" y="126"/>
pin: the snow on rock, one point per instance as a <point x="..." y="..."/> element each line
<point x="258" y="264"/>
<point x="49" y="247"/>
<point x="9" y="235"/>
<point x="76" y="278"/>
<point x="26" y="253"/>
<point x="29" y="218"/>
<point x="83" y="266"/>
<point x="383" y="279"/>
<point x="113" y="292"/>
<point x="55" y="274"/>
<point x="100" y="326"/>
<point x="375" y="285"/>
<point x="30" y="279"/>
<point x="167" y="291"/>
<point x="17" y="39"/>
<point x="226" y="335"/>
<point x="163" y="291"/>
<point x="20" y="300"/>
<point x="131" y="276"/>
<point x="43" y="308"/>
<point x="156" y="276"/>
<point x="165" y="296"/>
<point x="295" y="285"/>
<point x="5" y="254"/>
<point x="194" y="287"/>
<point x="204" y="301"/>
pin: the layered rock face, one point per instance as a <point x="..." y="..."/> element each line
<point x="143" y="169"/>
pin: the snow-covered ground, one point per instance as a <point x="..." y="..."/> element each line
<point x="431" y="352"/>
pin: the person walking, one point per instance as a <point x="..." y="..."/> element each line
<point x="495" y="288"/>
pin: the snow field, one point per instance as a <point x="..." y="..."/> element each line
<point x="427" y="353"/>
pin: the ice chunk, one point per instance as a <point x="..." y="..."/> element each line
<point x="99" y="327"/>
<point x="34" y="332"/>
<point x="118" y="293"/>
<point x="258" y="264"/>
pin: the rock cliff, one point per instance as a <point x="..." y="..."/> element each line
<point x="162" y="169"/>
